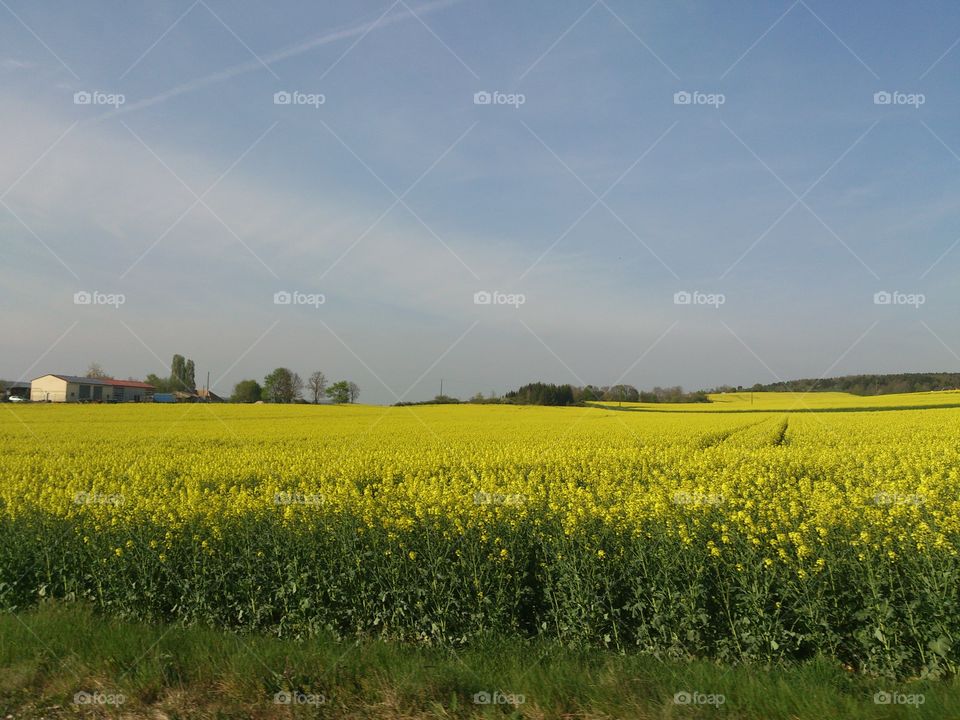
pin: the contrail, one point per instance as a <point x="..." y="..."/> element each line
<point x="298" y="49"/>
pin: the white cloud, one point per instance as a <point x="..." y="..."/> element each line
<point x="14" y="64"/>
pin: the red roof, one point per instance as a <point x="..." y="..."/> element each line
<point x="130" y="384"/>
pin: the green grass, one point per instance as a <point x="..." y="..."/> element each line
<point x="52" y="652"/>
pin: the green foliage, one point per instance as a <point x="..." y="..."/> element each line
<point x="622" y="393"/>
<point x="162" y="385"/>
<point x="282" y="386"/>
<point x="167" y="670"/>
<point x="869" y="384"/>
<point x="178" y="372"/>
<point x="339" y="392"/>
<point x="182" y="373"/>
<point x="246" y="391"/>
<point x="539" y="393"/>
<point x="300" y="570"/>
<point x="189" y="372"/>
<point x="674" y="394"/>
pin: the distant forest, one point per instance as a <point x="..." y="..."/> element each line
<point x="864" y="384"/>
<point x="540" y="393"/>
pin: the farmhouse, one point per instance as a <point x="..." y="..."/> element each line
<point x="71" y="388"/>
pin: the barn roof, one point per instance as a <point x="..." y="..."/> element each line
<point x="100" y="381"/>
<point x="130" y="384"/>
<point x="76" y="379"/>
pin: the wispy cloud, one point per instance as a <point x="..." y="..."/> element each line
<point x="243" y="68"/>
<point x="13" y="64"/>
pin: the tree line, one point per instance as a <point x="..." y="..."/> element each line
<point x="286" y="386"/>
<point x="540" y="393"/>
<point x="887" y="384"/>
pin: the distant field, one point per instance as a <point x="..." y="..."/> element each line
<point x="797" y="401"/>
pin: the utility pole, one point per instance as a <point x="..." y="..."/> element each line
<point x="441" y="387"/>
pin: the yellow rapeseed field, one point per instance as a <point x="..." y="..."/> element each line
<point x="755" y="534"/>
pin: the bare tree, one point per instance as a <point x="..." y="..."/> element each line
<point x="317" y="385"/>
<point x="96" y="371"/>
<point x="353" y="391"/>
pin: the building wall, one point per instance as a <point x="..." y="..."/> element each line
<point x="50" y="388"/>
<point x="53" y="389"/>
<point x="105" y="393"/>
<point x="129" y="394"/>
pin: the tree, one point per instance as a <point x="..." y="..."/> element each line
<point x="96" y="371"/>
<point x="317" y="384"/>
<point x="161" y="384"/>
<point x="178" y="372"/>
<point x="339" y="392"/>
<point x="353" y="391"/>
<point x="246" y="391"/>
<point x="591" y="392"/>
<point x="282" y="386"/>
<point x="622" y="393"/>
<point x="542" y="394"/>
<point x="182" y="374"/>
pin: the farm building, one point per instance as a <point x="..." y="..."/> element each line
<point x="131" y="391"/>
<point x="15" y="389"/>
<point x="71" y="388"/>
<point x="206" y="395"/>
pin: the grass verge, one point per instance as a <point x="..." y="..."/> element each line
<point x="63" y="660"/>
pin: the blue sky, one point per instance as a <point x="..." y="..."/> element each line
<point x="782" y="198"/>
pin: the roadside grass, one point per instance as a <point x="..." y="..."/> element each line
<point x="51" y="653"/>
